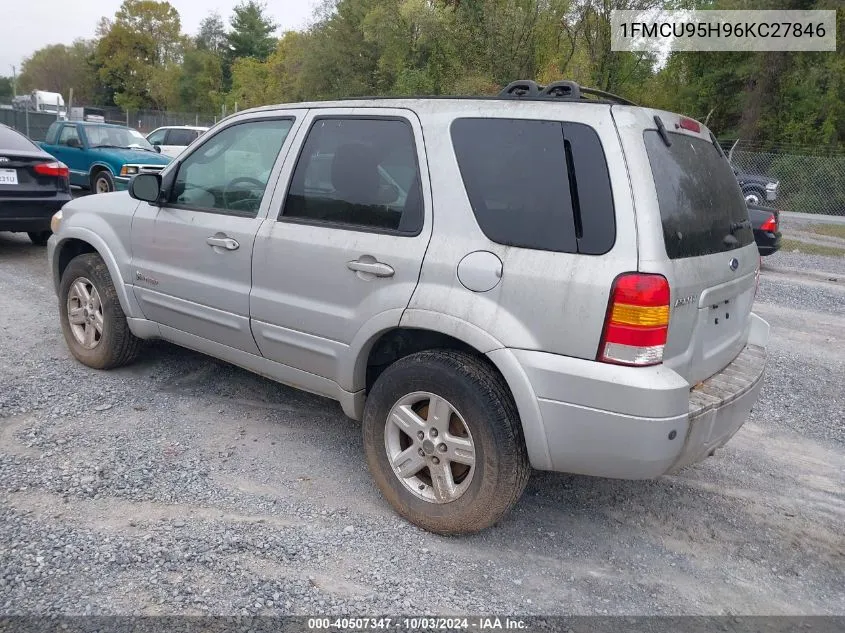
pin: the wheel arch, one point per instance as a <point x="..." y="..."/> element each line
<point x="95" y="169"/>
<point x="77" y="241"/>
<point x="389" y="344"/>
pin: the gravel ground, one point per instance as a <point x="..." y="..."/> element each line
<point x="182" y="485"/>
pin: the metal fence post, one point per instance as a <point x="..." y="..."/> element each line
<point x="26" y="115"/>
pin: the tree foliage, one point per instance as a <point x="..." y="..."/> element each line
<point x="404" y="47"/>
<point x="252" y="32"/>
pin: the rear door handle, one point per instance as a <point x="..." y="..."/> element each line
<point x="378" y="269"/>
<point x="223" y="242"/>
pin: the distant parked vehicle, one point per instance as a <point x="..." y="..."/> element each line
<point x="765" y="223"/>
<point x="756" y="188"/>
<point x="33" y="186"/>
<point x="102" y="157"/>
<point x="87" y="113"/>
<point x="172" y="139"/>
<point x="41" y="101"/>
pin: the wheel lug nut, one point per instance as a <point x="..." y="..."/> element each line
<point x="434" y="460"/>
<point x="433" y="432"/>
<point x="421" y="452"/>
<point x="420" y="434"/>
<point x="442" y="448"/>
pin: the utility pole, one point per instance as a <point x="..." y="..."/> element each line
<point x="14" y="82"/>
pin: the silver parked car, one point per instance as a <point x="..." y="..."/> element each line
<point x="543" y="279"/>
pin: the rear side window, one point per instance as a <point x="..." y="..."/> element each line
<point x="181" y="137"/>
<point x="11" y="141"/>
<point x="701" y="206"/>
<point x="358" y="173"/>
<point x="542" y="185"/>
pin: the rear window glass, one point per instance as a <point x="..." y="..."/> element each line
<point x="11" y="141"/>
<point x="542" y="185"/>
<point x="701" y="206"/>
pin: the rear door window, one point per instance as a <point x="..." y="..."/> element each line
<point x="537" y="184"/>
<point x="181" y="138"/>
<point x="358" y="173"/>
<point x="701" y="206"/>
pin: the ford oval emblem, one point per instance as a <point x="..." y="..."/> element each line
<point x="734" y="264"/>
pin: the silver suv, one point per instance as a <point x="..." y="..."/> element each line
<point x="543" y="279"/>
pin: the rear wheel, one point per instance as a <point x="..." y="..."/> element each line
<point x="102" y="182"/>
<point x="93" y="323"/>
<point x="39" y="238"/>
<point x="753" y="195"/>
<point x="444" y="443"/>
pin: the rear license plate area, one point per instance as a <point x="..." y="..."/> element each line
<point x="8" y="177"/>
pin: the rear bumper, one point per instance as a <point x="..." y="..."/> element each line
<point x="637" y="423"/>
<point x="30" y="214"/>
<point x="767" y="243"/>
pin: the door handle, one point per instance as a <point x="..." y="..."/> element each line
<point x="378" y="269"/>
<point x="223" y="242"/>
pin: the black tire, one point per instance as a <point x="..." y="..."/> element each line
<point x="102" y="180"/>
<point x="478" y="392"/>
<point x="117" y="345"/>
<point x="39" y="238"/>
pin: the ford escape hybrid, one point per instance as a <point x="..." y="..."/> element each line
<point x="554" y="278"/>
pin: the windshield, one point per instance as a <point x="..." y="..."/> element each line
<point x="701" y="206"/>
<point x="110" y="136"/>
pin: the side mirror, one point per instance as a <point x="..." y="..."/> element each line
<point x="146" y="187"/>
<point x="157" y="148"/>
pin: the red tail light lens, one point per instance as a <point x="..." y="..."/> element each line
<point x="55" y="169"/>
<point x="637" y="321"/>
<point x="689" y="124"/>
<point x="770" y="225"/>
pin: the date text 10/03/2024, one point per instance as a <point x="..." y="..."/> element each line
<point x="417" y="623"/>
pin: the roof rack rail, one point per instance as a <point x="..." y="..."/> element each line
<point x="564" y="90"/>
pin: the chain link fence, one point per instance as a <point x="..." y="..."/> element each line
<point x="145" y="121"/>
<point x="811" y="179"/>
<point x="33" y="124"/>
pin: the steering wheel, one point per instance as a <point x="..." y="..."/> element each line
<point x="233" y="184"/>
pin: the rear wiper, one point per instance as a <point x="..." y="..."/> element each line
<point x="742" y="224"/>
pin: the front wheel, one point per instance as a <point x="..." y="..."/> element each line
<point x="102" y="182"/>
<point x="444" y="442"/>
<point x="93" y="323"/>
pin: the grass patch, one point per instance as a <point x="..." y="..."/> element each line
<point x="813" y="249"/>
<point x="831" y="230"/>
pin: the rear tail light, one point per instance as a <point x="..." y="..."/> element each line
<point x="689" y="124"/>
<point x="55" y="169"/>
<point x="637" y="321"/>
<point x="770" y="225"/>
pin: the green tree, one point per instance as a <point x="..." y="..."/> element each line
<point x="250" y="83"/>
<point x="137" y="52"/>
<point x="201" y="82"/>
<point x="158" y="20"/>
<point x="211" y="35"/>
<point x="251" y="34"/>
<point x="6" y="88"/>
<point x="58" y="68"/>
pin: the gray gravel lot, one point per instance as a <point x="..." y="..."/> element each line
<point x="182" y="485"/>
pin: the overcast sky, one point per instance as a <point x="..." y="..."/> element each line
<point x="30" y="25"/>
